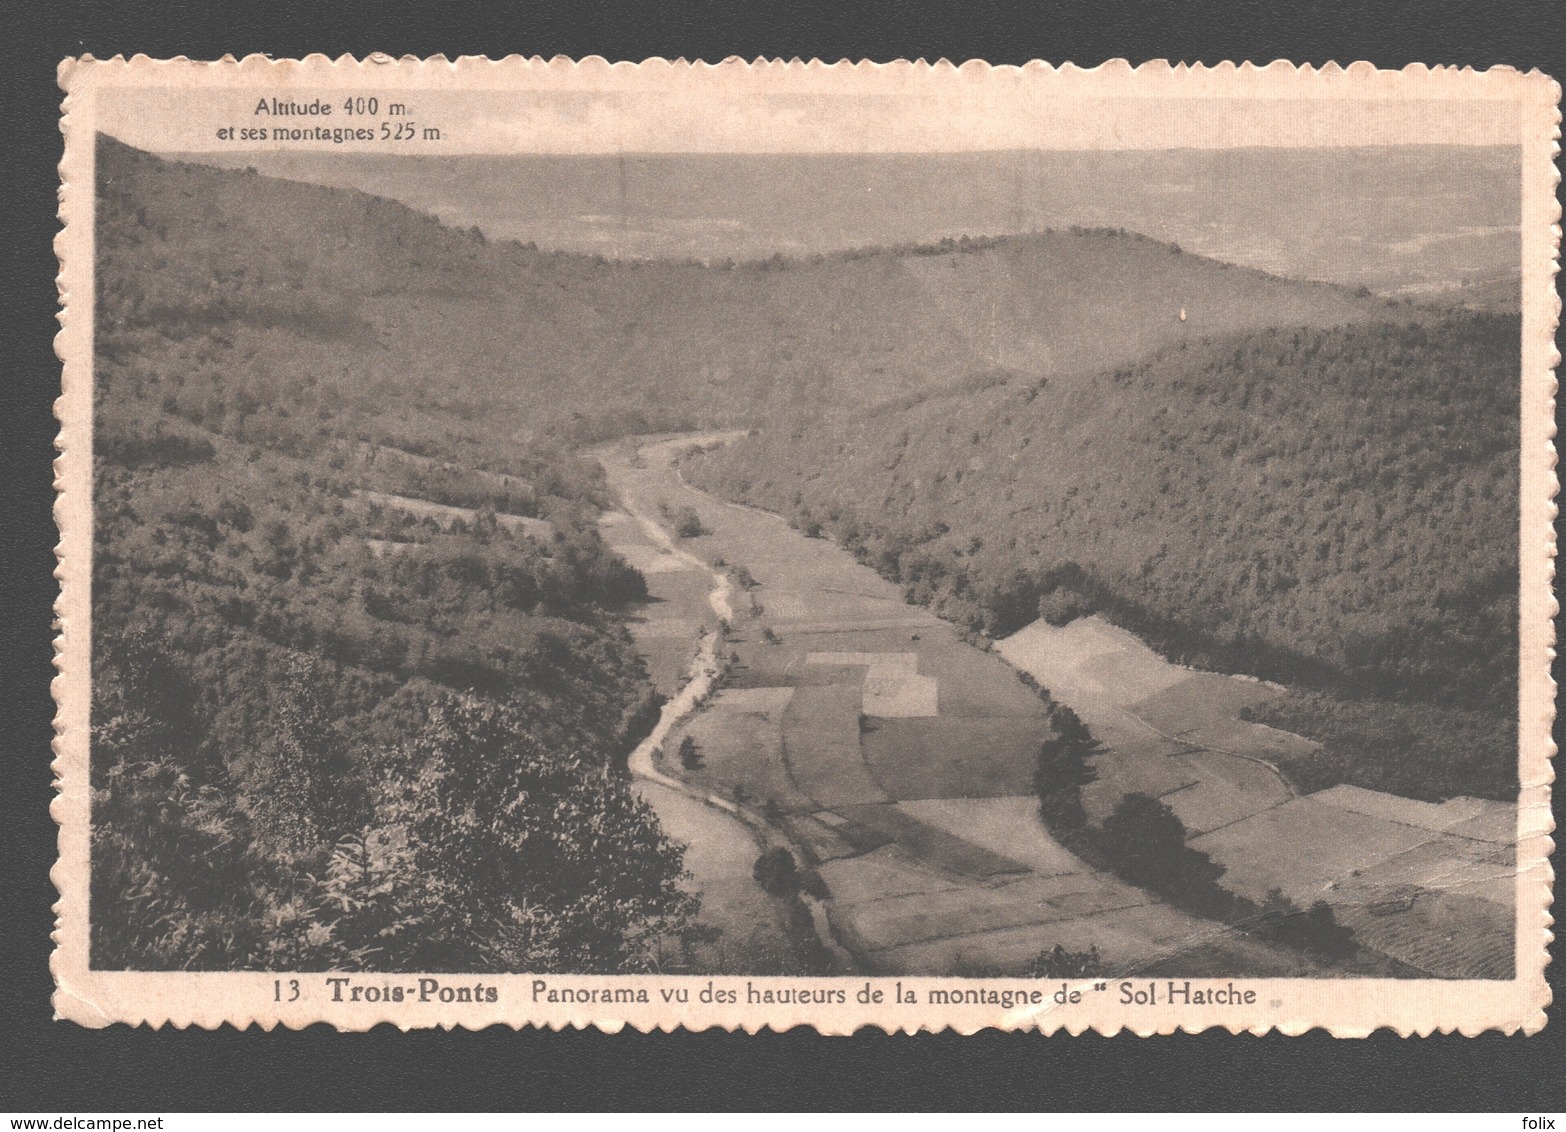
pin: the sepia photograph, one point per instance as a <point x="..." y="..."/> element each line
<point x="749" y="534"/>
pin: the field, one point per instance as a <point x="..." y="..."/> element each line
<point x="897" y="760"/>
<point x="667" y="625"/>
<point x="739" y="737"/>
<point x="744" y="929"/>
<point x="913" y="808"/>
<point x="951" y="757"/>
<point x="1392" y="868"/>
<point x="1007" y="827"/>
<point x="445" y="516"/>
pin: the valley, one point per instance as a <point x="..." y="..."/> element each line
<point x="457" y="552"/>
<point x="895" y="759"/>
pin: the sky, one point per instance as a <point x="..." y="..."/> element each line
<point x="669" y="109"/>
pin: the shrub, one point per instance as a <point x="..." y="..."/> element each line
<point x="777" y="873"/>
<point x="1316" y="930"/>
<point x="160" y="450"/>
<point x="1058" y="963"/>
<point x="687" y="524"/>
<point x="1063" y="770"/>
<point x="1063" y="605"/>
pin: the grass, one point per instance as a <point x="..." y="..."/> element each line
<point x="743" y="748"/>
<point x="949" y="757"/>
<point x="1008" y="827"/>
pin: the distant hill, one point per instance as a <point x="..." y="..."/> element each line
<point x="1392" y="218"/>
<point x="1133" y="442"/>
<point x="584" y="348"/>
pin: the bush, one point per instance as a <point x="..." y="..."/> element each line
<point x="1063" y="770"/>
<point x="687" y="524"/>
<point x="777" y="873"/>
<point x="690" y="754"/>
<point x="1144" y="838"/>
<point x="1058" y="963"/>
<point x="1316" y="930"/>
<point x="1063" y="605"/>
<point x="160" y="450"/>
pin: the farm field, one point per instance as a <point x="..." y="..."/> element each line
<point x="1400" y="872"/>
<point x="746" y="930"/>
<point x="665" y="627"/>
<point x="444" y="515"/>
<point x="895" y="759"/>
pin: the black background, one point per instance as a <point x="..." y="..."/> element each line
<point x="52" y="1067"/>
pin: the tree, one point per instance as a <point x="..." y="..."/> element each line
<point x="1058" y="963"/>
<point x="525" y="854"/>
<point x="776" y="872"/>
<point x="1063" y="769"/>
<point x="307" y="792"/>
<point x="177" y="881"/>
<point x="690" y="754"/>
<point x="687" y="524"/>
<point x="1316" y="930"/>
<point x="1145" y="841"/>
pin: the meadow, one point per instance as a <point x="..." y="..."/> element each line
<point x="919" y="831"/>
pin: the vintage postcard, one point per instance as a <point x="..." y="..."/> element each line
<point x="910" y="546"/>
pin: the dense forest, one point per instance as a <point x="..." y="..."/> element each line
<point x="328" y="731"/>
<point x="1330" y="508"/>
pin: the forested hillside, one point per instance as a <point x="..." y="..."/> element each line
<point x="328" y="732"/>
<point x="581" y="348"/>
<point x="1334" y="509"/>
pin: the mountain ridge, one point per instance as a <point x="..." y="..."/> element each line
<point x="1340" y="214"/>
<point x="584" y="348"/>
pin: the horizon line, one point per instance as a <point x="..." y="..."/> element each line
<point x="324" y="149"/>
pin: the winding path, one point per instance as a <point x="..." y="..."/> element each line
<point x="702" y="678"/>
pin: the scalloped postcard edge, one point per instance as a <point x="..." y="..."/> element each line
<point x="1342" y="1007"/>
